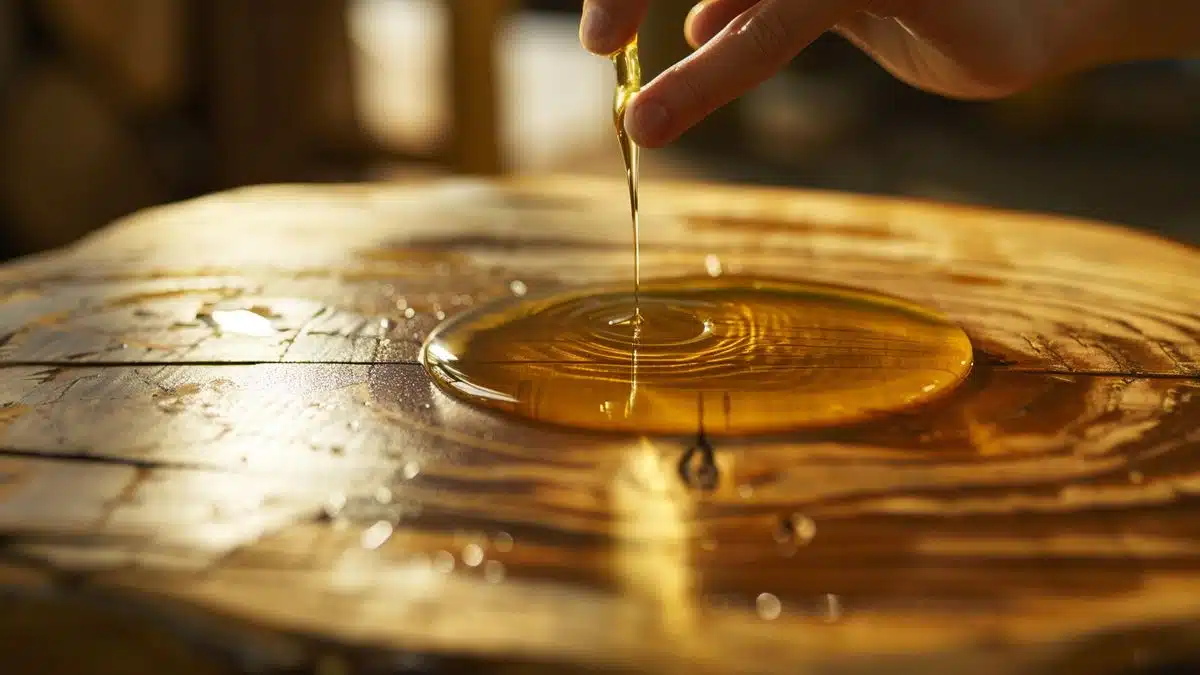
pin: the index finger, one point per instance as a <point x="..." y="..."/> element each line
<point x="752" y="48"/>
<point x="608" y="25"/>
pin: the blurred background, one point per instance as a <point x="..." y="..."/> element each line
<point x="110" y="106"/>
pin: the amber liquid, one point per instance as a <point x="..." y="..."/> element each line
<point x="718" y="355"/>
<point x="726" y="355"/>
<point x="629" y="81"/>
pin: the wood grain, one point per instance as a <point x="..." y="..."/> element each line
<point x="1035" y="292"/>
<point x="302" y="496"/>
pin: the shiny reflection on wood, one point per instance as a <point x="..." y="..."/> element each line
<point x="270" y="497"/>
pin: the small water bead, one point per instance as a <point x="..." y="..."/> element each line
<point x="833" y="608"/>
<point x="443" y="561"/>
<point x="712" y="265"/>
<point x="410" y="470"/>
<point x="797" y="528"/>
<point x="377" y="535"/>
<point x="768" y="606"/>
<point x="472" y="555"/>
<point x="333" y="506"/>
<point x="494" y="572"/>
<point x="503" y="542"/>
<point x="698" y="467"/>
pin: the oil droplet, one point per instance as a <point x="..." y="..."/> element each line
<point x="767" y="356"/>
<point x="385" y="325"/>
<point x="503" y="542"/>
<point x="493" y="571"/>
<point x="376" y="535"/>
<point x="410" y="313"/>
<point x="410" y="470"/>
<point x="472" y="555"/>
<point x="333" y="506"/>
<point x="745" y="491"/>
<point x="712" y="265"/>
<point x="518" y="288"/>
<point x="241" y="322"/>
<point x="833" y="608"/>
<point x="698" y="466"/>
<point x="383" y="495"/>
<point x="768" y="606"/>
<point x="1136" y="477"/>
<point x="797" y="528"/>
<point x="708" y="544"/>
<point x="440" y="315"/>
<point x="443" y="561"/>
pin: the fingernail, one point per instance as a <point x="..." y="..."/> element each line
<point x="689" y="27"/>
<point x="648" y="122"/>
<point x="596" y="29"/>
<point x="689" y="24"/>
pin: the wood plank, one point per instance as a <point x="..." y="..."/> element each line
<point x="1028" y="512"/>
<point x="331" y="265"/>
<point x="282" y="485"/>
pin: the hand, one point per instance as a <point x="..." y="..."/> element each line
<point x="968" y="49"/>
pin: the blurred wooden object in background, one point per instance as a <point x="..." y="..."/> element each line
<point x="116" y="105"/>
<point x="280" y="89"/>
<point x="474" y="29"/>
<point x="68" y="160"/>
<point x="121" y="104"/>
<point x="135" y="50"/>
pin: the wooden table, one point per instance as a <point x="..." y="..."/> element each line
<point x="218" y="454"/>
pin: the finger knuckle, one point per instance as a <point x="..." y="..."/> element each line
<point x="768" y="35"/>
<point x="691" y="93"/>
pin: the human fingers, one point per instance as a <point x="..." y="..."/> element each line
<point x="751" y="48"/>
<point x="710" y="17"/>
<point x="944" y="52"/>
<point x="608" y="25"/>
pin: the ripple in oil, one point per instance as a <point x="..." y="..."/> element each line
<point x="726" y="355"/>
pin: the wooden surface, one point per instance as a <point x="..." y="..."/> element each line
<point x="218" y="454"/>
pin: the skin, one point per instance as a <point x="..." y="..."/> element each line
<point x="965" y="49"/>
